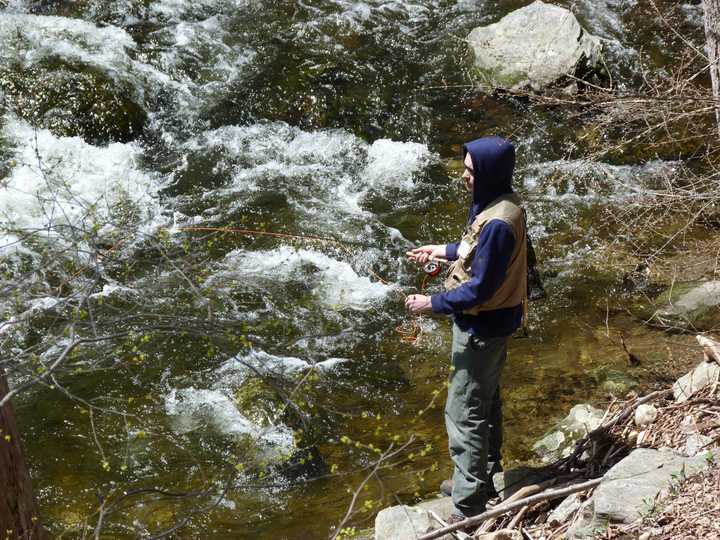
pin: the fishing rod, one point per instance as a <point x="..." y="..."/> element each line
<point x="292" y="236"/>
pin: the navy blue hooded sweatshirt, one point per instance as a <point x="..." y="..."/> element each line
<point x="493" y="162"/>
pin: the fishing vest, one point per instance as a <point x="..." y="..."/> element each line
<point x="513" y="290"/>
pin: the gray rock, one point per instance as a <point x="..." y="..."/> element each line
<point x="534" y="47"/>
<point x="508" y="482"/>
<point x="404" y="523"/>
<point x="693" y="305"/>
<point x="567" y="508"/>
<point x="633" y="487"/>
<point x="704" y="374"/>
<point x="635" y="484"/>
<point x="695" y="444"/>
<point x="552" y="445"/>
<point x="560" y="441"/>
<point x="442" y="506"/>
<point x="588" y="525"/>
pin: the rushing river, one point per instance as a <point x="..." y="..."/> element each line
<point x="325" y="118"/>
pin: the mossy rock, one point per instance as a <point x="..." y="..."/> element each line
<point x="73" y="101"/>
<point x="684" y="306"/>
<point x="691" y="306"/>
<point x="613" y="381"/>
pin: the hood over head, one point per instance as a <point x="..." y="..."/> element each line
<point x="493" y="160"/>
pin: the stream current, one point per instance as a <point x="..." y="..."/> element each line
<point x="324" y="118"/>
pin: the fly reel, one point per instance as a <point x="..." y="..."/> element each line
<point x="432" y="268"/>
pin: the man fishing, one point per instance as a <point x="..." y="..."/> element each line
<point x="486" y="291"/>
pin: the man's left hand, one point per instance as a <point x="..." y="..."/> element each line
<point x="418" y="303"/>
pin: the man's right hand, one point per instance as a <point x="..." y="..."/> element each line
<point x="423" y="254"/>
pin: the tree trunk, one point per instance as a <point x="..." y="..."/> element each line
<point x="19" y="518"/>
<point x="712" y="35"/>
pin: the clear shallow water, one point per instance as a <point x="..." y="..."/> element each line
<point x="329" y="118"/>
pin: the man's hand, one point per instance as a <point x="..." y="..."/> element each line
<point x="418" y="303"/>
<point x="423" y="254"/>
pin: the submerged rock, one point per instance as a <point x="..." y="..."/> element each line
<point x="535" y="47"/>
<point x="76" y="78"/>
<point x="73" y="100"/>
<point x="612" y="381"/>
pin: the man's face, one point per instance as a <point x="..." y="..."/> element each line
<point x="469" y="174"/>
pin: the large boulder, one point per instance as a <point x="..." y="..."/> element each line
<point x="535" y="47"/>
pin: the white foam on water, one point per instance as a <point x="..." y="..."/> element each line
<point x="174" y="10"/>
<point x="74" y="177"/>
<point x="193" y="408"/>
<point x="261" y="362"/>
<point x="392" y="163"/>
<point x="30" y="39"/>
<point x="113" y="290"/>
<point x="587" y="181"/>
<point x="335" y="282"/>
<point x="196" y="53"/>
<point x="15" y="6"/>
<point x="14" y="325"/>
<point x="325" y="174"/>
<point x="268" y="142"/>
<point x="605" y="20"/>
<point x="396" y="13"/>
<point x="314" y="165"/>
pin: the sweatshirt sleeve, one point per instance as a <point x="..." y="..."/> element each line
<point x="451" y="251"/>
<point x="489" y="266"/>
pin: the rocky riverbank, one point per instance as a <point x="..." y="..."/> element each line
<point x="640" y="452"/>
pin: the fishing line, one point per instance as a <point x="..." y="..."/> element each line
<point x="343" y="245"/>
<point x="409" y="331"/>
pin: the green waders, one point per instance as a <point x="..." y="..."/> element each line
<point x="473" y="417"/>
